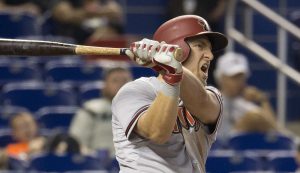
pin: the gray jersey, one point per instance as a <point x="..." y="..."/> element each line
<point x="181" y="154"/>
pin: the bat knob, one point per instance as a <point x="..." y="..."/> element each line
<point x="178" y="54"/>
<point x="129" y="53"/>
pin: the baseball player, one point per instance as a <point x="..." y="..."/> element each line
<point x="168" y="123"/>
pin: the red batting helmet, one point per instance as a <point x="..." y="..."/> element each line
<point x="178" y="29"/>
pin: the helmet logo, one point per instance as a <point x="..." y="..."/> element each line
<point x="204" y="25"/>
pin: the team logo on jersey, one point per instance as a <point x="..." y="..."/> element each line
<point x="185" y="120"/>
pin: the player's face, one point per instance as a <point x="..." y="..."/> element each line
<point x="199" y="58"/>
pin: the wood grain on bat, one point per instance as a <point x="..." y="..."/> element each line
<point x="35" y="48"/>
<point x="92" y="50"/>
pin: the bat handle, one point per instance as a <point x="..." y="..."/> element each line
<point x="178" y="54"/>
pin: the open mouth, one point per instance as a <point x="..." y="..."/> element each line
<point x="204" y="68"/>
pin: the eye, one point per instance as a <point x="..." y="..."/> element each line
<point x="200" y="46"/>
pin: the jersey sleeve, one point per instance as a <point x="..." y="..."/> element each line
<point x="218" y="95"/>
<point x="131" y="102"/>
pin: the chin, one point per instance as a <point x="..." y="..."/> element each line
<point x="204" y="82"/>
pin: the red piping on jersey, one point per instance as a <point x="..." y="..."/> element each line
<point x="136" y="115"/>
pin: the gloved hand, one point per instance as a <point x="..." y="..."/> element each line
<point x="165" y="59"/>
<point x="158" y="56"/>
<point x="144" y="51"/>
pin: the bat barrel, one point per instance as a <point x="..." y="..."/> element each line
<point x="35" y="48"/>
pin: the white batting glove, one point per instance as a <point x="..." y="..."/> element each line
<point x="165" y="59"/>
<point x="144" y="51"/>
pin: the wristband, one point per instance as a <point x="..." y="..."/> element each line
<point x="172" y="79"/>
<point x="169" y="90"/>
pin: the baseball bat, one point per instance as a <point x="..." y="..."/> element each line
<point x="48" y="48"/>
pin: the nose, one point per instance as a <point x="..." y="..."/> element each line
<point x="208" y="54"/>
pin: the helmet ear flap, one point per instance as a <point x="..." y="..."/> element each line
<point x="186" y="49"/>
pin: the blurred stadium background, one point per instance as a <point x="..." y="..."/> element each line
<point x="53" y="88"/>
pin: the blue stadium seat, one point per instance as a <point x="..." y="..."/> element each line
<point x="90" y="90"/>
<point x="266" y="27"/>
<point x="114" y="166"/>
<point x="5" y="138"/>
<point x="15" y="24"/>
<point x="228" y="161"/>
<point x="283" y="161"/>
<point x="138" y="3"/>
<point x="16" y="164"/>
<point x="17" y="70"/>
<point x="34" y="95"/>
<point x="153" y="16"/>
<point x="6" y="112"/>
<point x="4" y="121"/>
<point x="61" y="163"/>
<point x="218" y="145"/>
<point x="55" y="117"/>
<point x="260" y="141"/>
<point x="138" y="71"/>
<point x="73" y="72"/>
<point x="257" y="171"/>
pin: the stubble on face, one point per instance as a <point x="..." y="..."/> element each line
<point x="199" y="58"/>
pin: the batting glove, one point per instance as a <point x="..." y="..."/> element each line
<point x="172" y="69"/>
<point x="144" y="52"/>
<point x="159" y="57"/>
